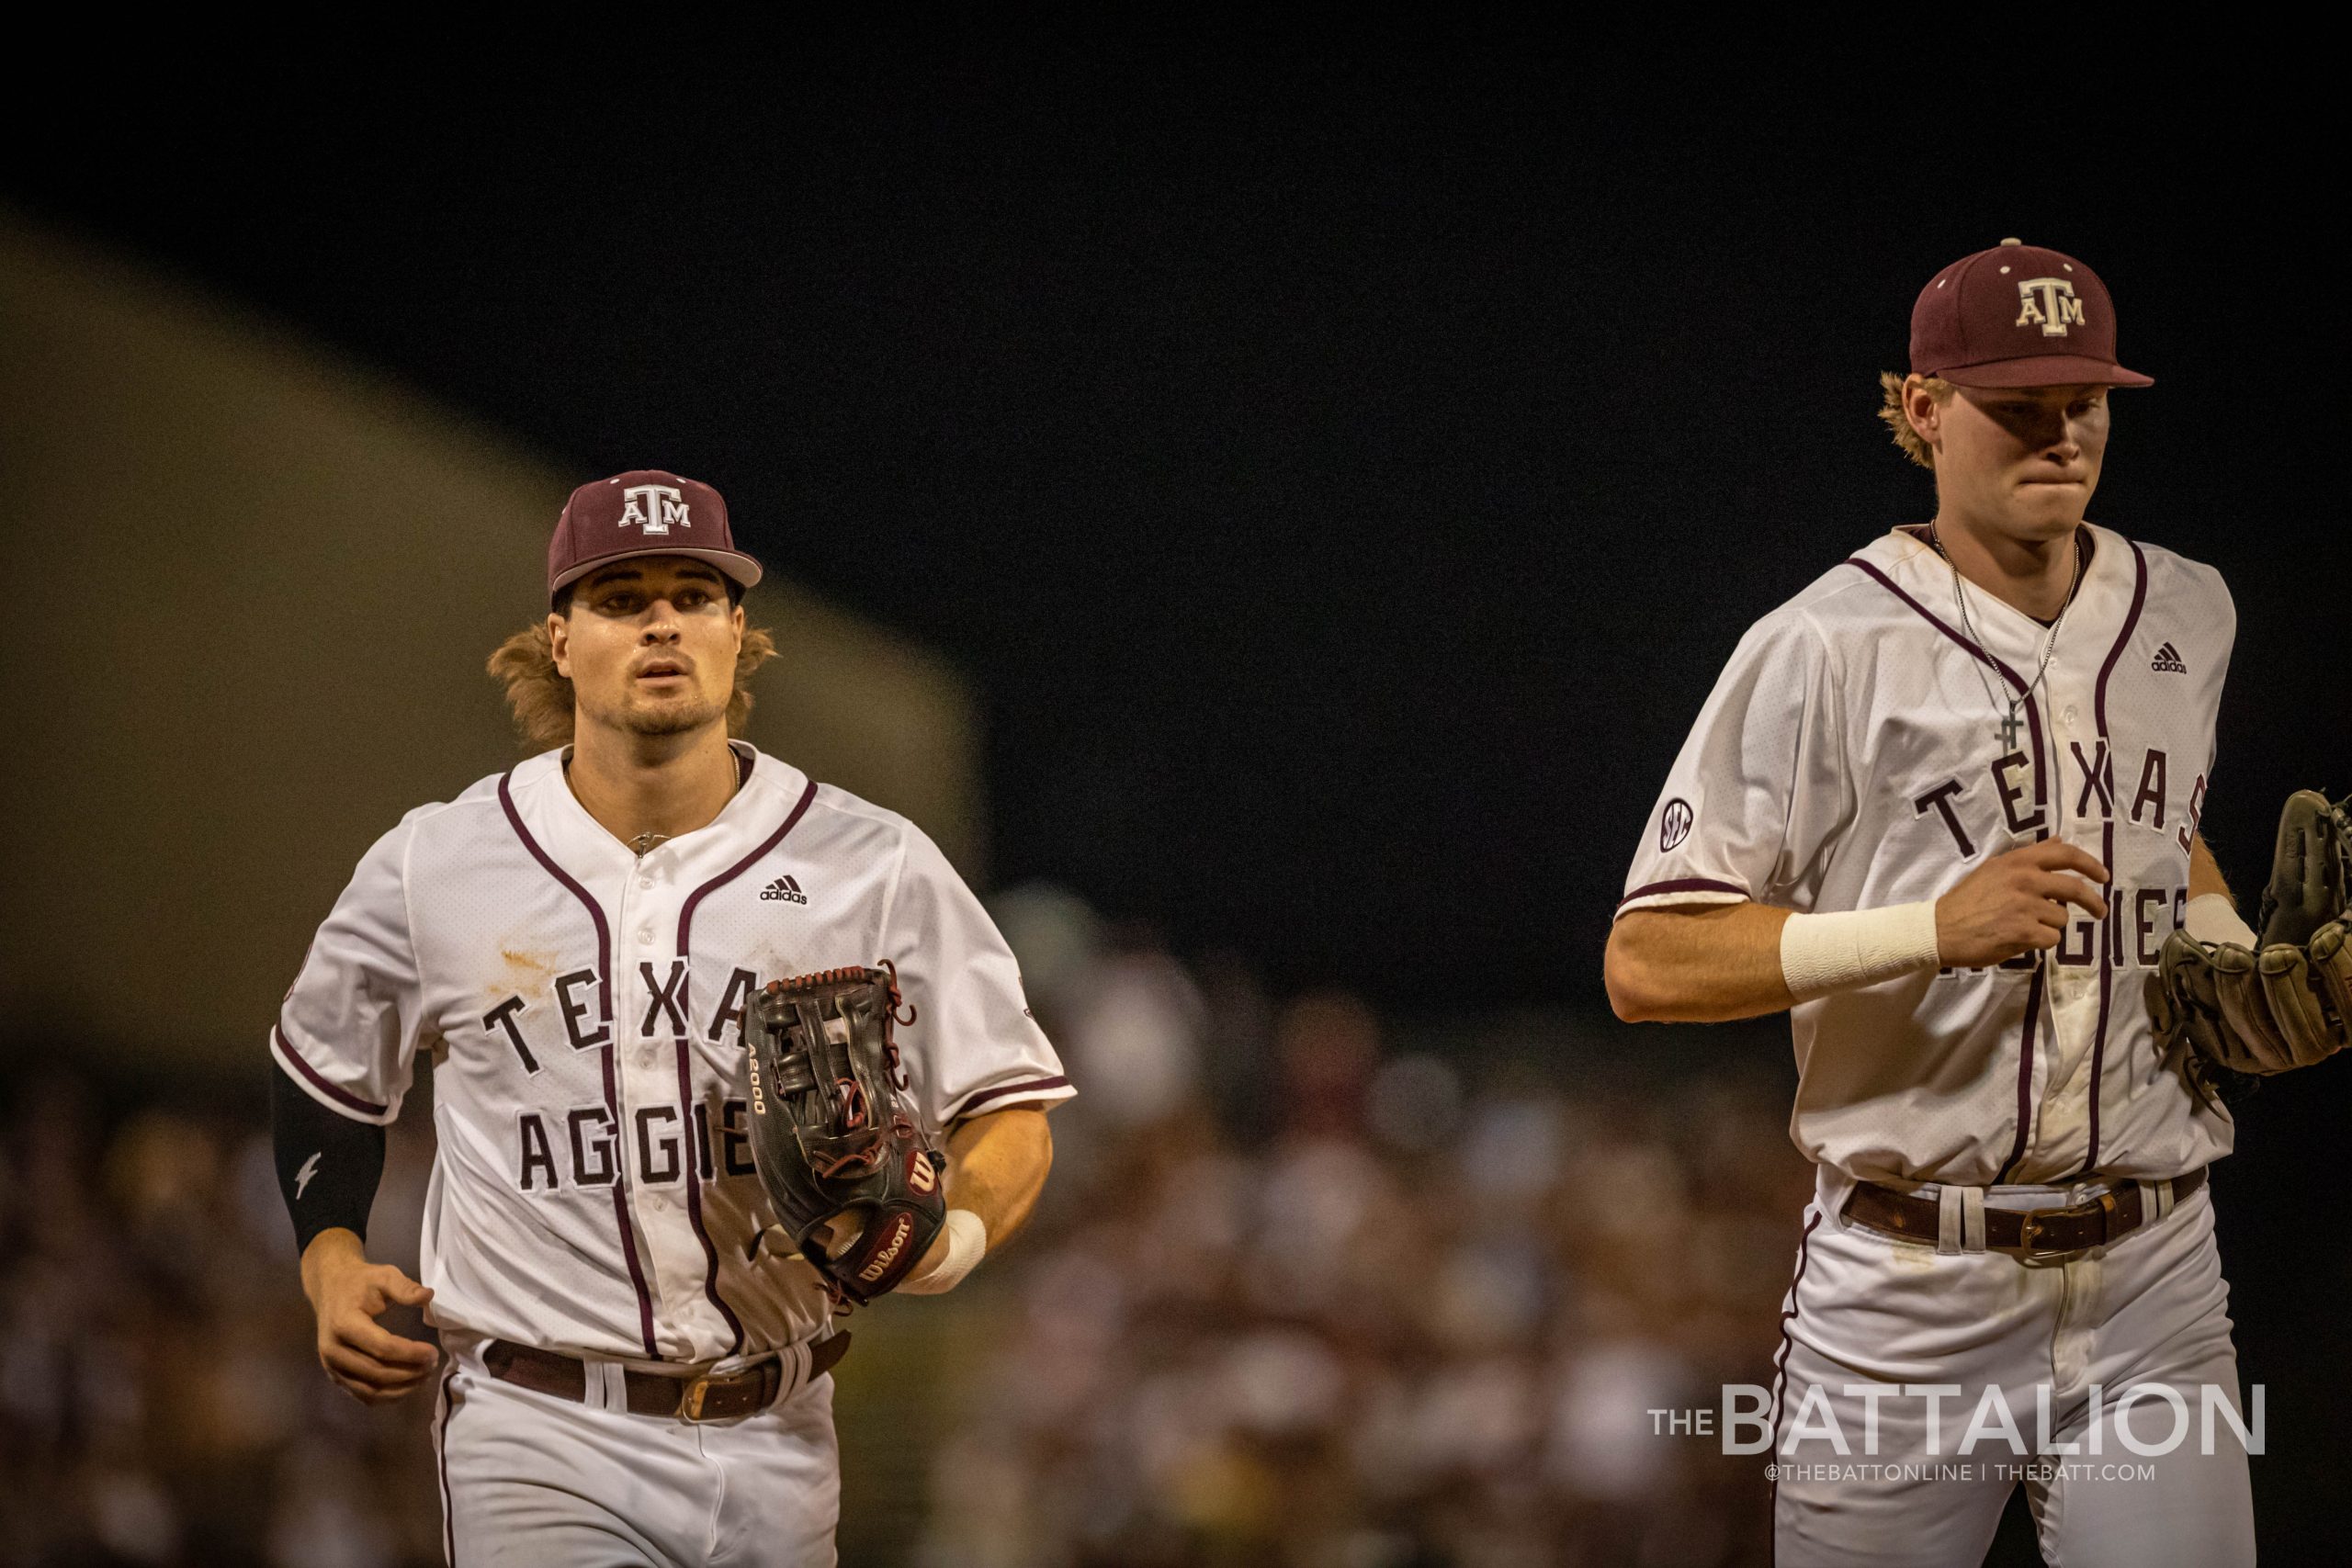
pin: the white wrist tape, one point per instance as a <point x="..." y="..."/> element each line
<point x="1821" y="953"/>
<point x="967" y="1243"/>
<point x="2212" y="918"/>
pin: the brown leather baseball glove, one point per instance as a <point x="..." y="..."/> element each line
<point x="834" y="1134"/>
<point x="2229" y="1010"/>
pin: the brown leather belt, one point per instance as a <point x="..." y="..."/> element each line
<point x="688" y="1398"/>
<point x="2033" y="1232"/>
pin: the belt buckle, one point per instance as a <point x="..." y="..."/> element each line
<point x="690" y="1398"/>
<point x="2030" y="1227"/>
<point x="2029" y="1235"/>
<point x="697" y="1393"/>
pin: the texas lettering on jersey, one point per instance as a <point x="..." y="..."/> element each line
<point x="2139" y="918"/>
<point x="1856" y="753"/>
<point x="594" y="1189"/>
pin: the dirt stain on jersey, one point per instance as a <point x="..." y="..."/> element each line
<point x="526" y="974"/>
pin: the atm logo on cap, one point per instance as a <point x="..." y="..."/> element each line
<point x="655" y="507"/>
<point x="2049" y="301"/>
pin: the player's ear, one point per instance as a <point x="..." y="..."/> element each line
<point x="559" y="643"/>
<point x="1924" y="409"/>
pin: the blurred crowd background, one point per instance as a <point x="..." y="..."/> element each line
<point x="1310" y="1287"/>
<point x="160" y="1402"/>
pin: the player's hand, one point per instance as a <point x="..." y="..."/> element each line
<point x="2015" y="903"/>
<point x="366" y="1360"/>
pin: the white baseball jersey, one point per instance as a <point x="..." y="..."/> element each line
<point x="594" y="1192"/>
<point x="1852" y="757"/>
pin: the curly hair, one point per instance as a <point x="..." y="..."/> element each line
<point x="1897" y="421"/>
<point x="542" y="699"/>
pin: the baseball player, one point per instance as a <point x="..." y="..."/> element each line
<point x="634" y="1357"/>
<point x="1942" y="805"/>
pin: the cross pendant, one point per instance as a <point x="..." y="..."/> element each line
<point x="2007" y="728"/>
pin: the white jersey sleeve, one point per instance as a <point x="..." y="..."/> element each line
<point x="348" y="1028"/>
<point x="1761" y="787"/>
<point x="973" y="1046"/>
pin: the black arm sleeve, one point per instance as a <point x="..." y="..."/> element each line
<point x="328" y="1164"/>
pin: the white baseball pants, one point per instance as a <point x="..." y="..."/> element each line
<point x="1869" y="1318"/>
<point x="530" y="1480"/>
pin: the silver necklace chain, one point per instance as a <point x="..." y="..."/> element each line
<point x="2007" y="731"/>
<point x="642" y="845"/>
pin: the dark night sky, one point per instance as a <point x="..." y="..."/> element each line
<point x="1344" y="473"/>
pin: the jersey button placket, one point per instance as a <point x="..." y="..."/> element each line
<point x="676" y="1253"/>
<point x="2063" y="1123"/>
<point x="642" y="1081"/>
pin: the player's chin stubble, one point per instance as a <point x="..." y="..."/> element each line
<point x="675" y="716"/>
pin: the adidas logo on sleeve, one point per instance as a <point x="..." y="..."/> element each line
<point x="2167" y="661"/>
<point x="784" y="890"/>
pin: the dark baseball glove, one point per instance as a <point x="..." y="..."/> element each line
<point x="2231" y="1012"/>
<point x="852" y="1178"/>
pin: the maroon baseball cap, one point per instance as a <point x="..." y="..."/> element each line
<point x="644" y="512"/>
<point x="2017" y="316"/>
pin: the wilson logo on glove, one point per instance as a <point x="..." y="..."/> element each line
<point x="888" y="1254"/>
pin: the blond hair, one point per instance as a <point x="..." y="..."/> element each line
<point x="1899" y="421"/>
<point x="542" y="698"/>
